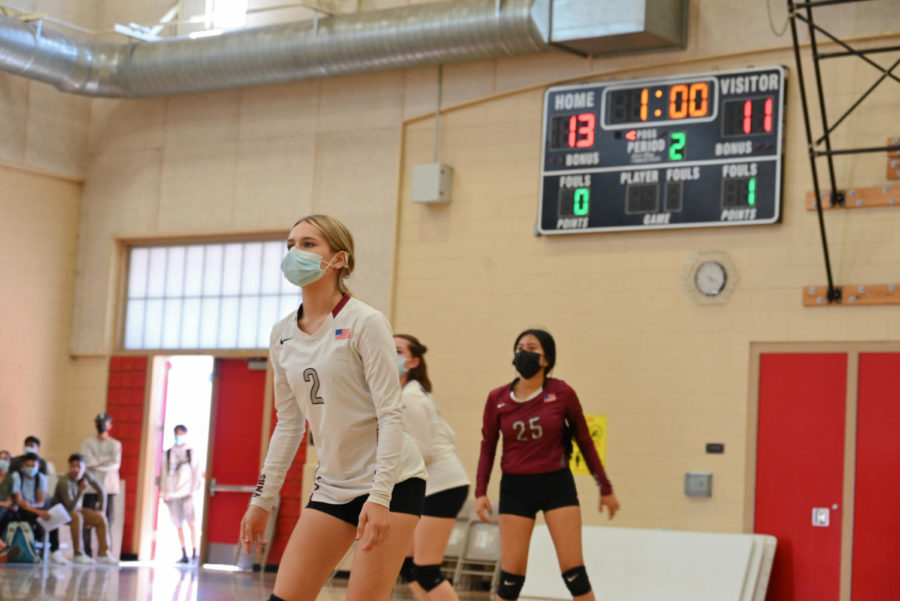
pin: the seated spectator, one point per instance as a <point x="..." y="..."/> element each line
<point x="70" y="492"/>
<point x="32" y="445"/>
<point x="6" y="500"/>
<point x="6" y="552"/>
<point x="29" y="492"/>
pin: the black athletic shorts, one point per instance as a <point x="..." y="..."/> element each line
<point x="407" y="497"/>
<point x="526" y="494"/>
<point x="447" y="503"/>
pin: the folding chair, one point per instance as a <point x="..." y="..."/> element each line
<point x="480" y="561"/>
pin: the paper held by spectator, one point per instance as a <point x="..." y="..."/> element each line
<point x="58" y="517"/>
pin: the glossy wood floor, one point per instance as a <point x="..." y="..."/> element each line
<point x="154" y="582"/>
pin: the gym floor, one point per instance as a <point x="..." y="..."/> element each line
<point x="152" y="582"/>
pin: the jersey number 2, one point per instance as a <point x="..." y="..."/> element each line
<point x="533" y="426"/>
<point x="310" y="375"/>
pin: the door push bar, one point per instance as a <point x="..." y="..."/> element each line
<point x="215" y="487"/>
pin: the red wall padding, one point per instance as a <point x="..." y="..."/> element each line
<point x="876" y="516"/>
<point x="125" y="404"/>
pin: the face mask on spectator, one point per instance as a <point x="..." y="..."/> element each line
<point x="29" y="449"/>
<point x="4" y="465"/>
<point x="31" y="472"/>
<point x="179" y="439"/>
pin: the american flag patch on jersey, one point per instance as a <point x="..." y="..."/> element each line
<point x="549" y="398"/>
<point x="342" y="334"/>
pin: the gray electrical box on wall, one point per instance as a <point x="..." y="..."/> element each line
<point x="431" y="182"/>
<point x="698" y="484"/>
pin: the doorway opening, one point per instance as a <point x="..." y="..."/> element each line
<point x="182" y="396"/>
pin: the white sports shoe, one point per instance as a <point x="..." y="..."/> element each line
<point x="108" y="559"/>
<point x="83" y="559"/>
<point x="58" y="558"/>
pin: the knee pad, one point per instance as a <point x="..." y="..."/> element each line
<point x="429" y="577"/>
<point x="510" y="585"/>
<point x="577" y="581"/>
<point x="408" y="571"/>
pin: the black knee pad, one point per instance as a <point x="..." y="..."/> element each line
<point x="429" y="577"/>
<point x="408" y="571"/>
<point x="577" y="581"/>
<point x="510" y="585"/>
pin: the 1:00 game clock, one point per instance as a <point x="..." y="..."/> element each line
<point x="688" y="151"/>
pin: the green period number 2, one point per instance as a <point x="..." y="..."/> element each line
<point x="676" y="149"/>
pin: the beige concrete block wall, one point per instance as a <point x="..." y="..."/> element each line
<point x="38" y="232"/>
<point x="670" y="375"/>
<point x="235" y="162"/>
<point x="42" y="128"/>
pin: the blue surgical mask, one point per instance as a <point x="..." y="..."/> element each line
<point x="29" y="449"/>
<point x="179" y="439"/>
<point x="401" y="364"/>
<point x="4" y="465"/>
<point x="302" y="267"/>
<point x="31" y="472"/>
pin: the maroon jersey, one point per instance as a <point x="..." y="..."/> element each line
<point x="533" y="434"/>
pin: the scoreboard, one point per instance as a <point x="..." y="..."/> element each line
<point x="689" y="151"/>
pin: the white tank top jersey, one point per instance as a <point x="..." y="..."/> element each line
<point x="435" y="438"/>
<point x="342" y="379"/>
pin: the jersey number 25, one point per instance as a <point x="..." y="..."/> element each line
<point x="534" y="428"/>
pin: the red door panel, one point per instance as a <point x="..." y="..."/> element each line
<point x="236" y="438"/>
<point x="799" y="466"/>
<point x="876" y="516"/>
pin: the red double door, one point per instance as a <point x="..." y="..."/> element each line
<point x="801" y="480"/>
<point x="235" y="446"/>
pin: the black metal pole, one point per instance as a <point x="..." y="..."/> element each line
<point x="821" y="153"/>
<point x="859" y="52"/>
<point x="823" y="3"/>
<point x="821" y="96"/>
<point x="833" y="294"/>
<point x="843" y="44"/>
<point x="858" y="102"/>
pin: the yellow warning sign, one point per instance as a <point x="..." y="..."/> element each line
<point x="597" y="427"/>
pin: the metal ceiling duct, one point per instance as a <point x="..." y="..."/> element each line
<point x="400" y="38"/>
<point x="412" y="36"/>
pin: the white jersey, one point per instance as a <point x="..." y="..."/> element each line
<point x="435" y="438"/>
<point x="342" y="379"/>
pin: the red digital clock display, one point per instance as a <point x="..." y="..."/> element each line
<point x="636" y="106"/>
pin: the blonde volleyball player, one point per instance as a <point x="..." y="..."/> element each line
<point x="537" y="416"/>
<point x="335" y="366"/>
<point x="448" y="484"/>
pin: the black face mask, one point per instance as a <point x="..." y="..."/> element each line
<point x="527" y="363"/>
<point x="101" y="427"/>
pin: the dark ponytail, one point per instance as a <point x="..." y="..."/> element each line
<point x="418" y="373"/>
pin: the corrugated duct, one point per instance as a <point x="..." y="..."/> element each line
<point x="401" y="38"/>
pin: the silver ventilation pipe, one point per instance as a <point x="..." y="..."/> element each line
<point x="401" y="38"/>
